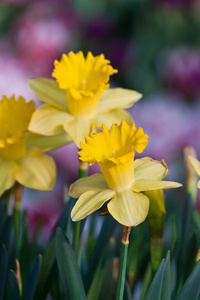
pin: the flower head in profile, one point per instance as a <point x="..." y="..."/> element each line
<point x="195" y="163"/>
<point x="21" y="157"/>
<point x="80" y="100"/>
<point x="123" y="179"/>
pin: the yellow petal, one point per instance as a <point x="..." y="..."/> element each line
<point x="117" y="98"/>
<point x="129" y="208"/>
<point x="112" y="116"/>
<point x="149" y="185"/>
<point x="198" y="184"/>
<point x="77" y="129"/>
<point x="147" y="168"/>
<point x="37" y="172"/>
<point x="117" y="144"/>
<point x="15" y="116"/>
<point x="48" y="120"/>
<point x="89" y="202"/>
<point x="7" y="175"/>
<point x="41" y="143"/>
<point x="83" y="74"/>
<point x="94" y="182"/>
<point x="195" y="164"/>
<point x="47" y="91"/>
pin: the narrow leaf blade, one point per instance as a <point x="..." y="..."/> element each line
<point x="32" y="278"/>
<point x="68" y="268"/>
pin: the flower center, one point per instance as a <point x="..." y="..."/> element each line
<point x="119" y="177"/>
<point x="86" y="106"/>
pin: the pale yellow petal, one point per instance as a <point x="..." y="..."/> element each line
<point x="149" y="185"/>
<point x="147" y="168"/>
<point x="77" y="129"/>
<point x="48" y="91"/>
<point x="41" y="143"/>
<point x="37" y="172"/>
<point x="48" y="120"/>
<point x="195" y="164"/>
<point x="94" y="183"/>
<point x="89" y="202"/>
<point x="198" y="184"/>
<point x="112" y="116"/>
<point x="117" y="98"/>
<point x="129" y="208"/>
<point x="7" y="168"/>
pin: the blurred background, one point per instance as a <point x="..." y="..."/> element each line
<point x="155" y="45"/>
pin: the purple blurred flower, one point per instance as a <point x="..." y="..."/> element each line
<point x="181" y="71"/>
<point x="170" y="123"/>
<point x="175" y="3"/>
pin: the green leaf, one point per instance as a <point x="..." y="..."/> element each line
<point x="160" y="288"/>
<point x="106" y="289"/>
<point x="12" y="289"/>
<point x="3" y="269"/>
<point x="7" y="237"/>
<point x="68" y="268"/>
<point x="3" y="213"/>
<point x="32" y="278"/>
<point x="106" y="232"/>
<point x="155" y="289"/>
<point x="101" y="286"/>
<point x="184" y="255"/>
<point x="48" y="271"/>
<point x="166" y="287"/>
<point x="127" y="292"/>
<point x="191" y="288"/>
<point x="146" y="281"/>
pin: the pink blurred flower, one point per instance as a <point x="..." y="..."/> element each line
<point x="43" y="210"/>
<point x="40" y="36"/>
<point x="13" y="77"/>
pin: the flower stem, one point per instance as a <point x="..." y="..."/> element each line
<point x="83" y="169"/>
<point x="18" y="194"/>
<point x="122" y="263"/>
<point x="82" y="172"/>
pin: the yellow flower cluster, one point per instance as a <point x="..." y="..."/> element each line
<point x="76" y="105"/>
<point x="21" y="152"/>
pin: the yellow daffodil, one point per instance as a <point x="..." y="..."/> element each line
<point x="196" y="166"/>
<point x="123" y="179"/>
<point x="79" y="101"/>
<point x="21" y="157"/>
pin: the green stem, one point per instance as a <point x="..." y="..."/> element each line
<point x="82" y="172"/>
<point x="83" y="169"/>
<point x="122" y="263"/>
<point x="18" y="193"/>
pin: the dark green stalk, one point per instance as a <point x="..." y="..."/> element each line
<point x="122" y="263"/>
<point x="82" y="172"/>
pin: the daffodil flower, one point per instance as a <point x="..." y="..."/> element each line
<point x="79" y="101"/>
<point x="21" y="157"/>
<point x="123" y="179"/>
<point x="195" y="163"/>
